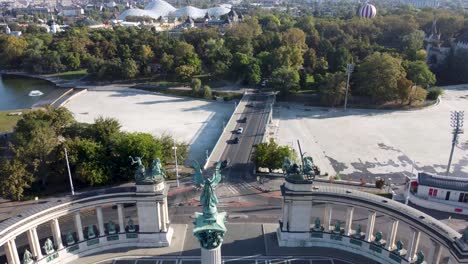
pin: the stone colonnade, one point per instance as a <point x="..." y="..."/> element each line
<point x="152" y="230"/>
<point x="298" y="228"/>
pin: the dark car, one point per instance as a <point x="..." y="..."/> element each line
<point x="243" y="120"/>
<point x="224" y="164"/>
<point x="235" y="140"/>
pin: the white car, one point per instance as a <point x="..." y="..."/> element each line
<point x="240" y="130"/>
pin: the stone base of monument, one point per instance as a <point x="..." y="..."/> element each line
<point x="336" y="241"/>
<point x="211" y="255"/>
<point x="161" y="239"/>
<point x="155" y="188"/>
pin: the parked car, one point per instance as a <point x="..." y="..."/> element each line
<point x="235" y="140"/>
<point x="240" y="130"/>
<point x="243" y="120"/>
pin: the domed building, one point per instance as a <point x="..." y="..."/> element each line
<point x="160" y="8"/>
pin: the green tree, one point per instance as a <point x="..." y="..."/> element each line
<point x="38" y="151"/>
<point x="195" y="84"/>
<point x="333" y="89"/>
<point x="419" y="73"/>
<point x="412" y="43"/>
<point x="185" y="72"/>
<point x="104" y="129"/>
<point x="207" y="92"/>
<point x="310" y="60"/>
<point x="404" y="89"/>
<point x="135" y="145"/>
<point x="284" y="79"/>
<point x="378" y="76"/>
<point x="338" y="59"/>
<point x="167" y="142"/>
<point x="14" y="179"/>
<point x="129" y="69"/>
<point x="294" y="37"/>
<point x="270" y="155"/>
<point x="254" y="74"/>
<point x="88" y="161"/>
<point x="11" y="50"/>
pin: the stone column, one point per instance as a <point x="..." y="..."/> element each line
<point x="79" y="226"/>
<point x="285" y="216"/>
<point x="55" y="227"/>
<point x="370" y="226"/>
<point x="158" y="215"/>
<point x="392" y="232"/>
<point x="435" y="254"/>
<point x="11" y="252"/>
<point x="100" y="220"/>
<point x="415" y="235"/>
<point x="327" y="217"/>
<point x="349" y="220"/>
<point x="211" y="256"/>
<point x="166" y="210"/>
<point x="34" y="243"/>
<point x="121" y="217"/>
<point x="163" y="217"/>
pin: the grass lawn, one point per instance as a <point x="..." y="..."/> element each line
<point x="71" y="75"/>
<point x="7" y="123"/>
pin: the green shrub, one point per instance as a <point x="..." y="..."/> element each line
<point x="434" y="93"/>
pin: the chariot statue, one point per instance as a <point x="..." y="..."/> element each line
<point x="306" y="171"/>
<point x="155" y="174"/>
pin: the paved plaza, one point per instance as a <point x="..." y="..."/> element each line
<point x="362" y="143"/>
<point x="197" y="122"/>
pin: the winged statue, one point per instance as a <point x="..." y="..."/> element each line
<point x="208" y="197"/>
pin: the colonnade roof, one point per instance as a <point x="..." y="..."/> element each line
<point x="50" y="203"/>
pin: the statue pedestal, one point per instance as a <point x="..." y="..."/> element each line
<point x="211" y="256"/>
<point x="210" y="232"/>
<point x="153" y="226"/>
<point x="155" y="188"/>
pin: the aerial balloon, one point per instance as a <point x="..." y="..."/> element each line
<point x="368" y="11"/>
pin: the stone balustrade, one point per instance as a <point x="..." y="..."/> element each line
<point x="308" y="220"/>
<point x="85" y="240"/>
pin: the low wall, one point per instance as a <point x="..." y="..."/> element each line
<point x="461" y="209"/>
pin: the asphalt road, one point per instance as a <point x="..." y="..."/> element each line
<point x="239" y="166"/>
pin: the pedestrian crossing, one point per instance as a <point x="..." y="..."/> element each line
<point x="237" y="188"/>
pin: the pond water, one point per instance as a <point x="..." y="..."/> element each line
<point x="14" y="92"/>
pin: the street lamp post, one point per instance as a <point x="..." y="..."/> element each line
<point x="456" y="122"/>
<point x="69" y="173"/>
<point x="62" y="139"/>
<point x="349" y="70"/>
<point x="176" y="164"/>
